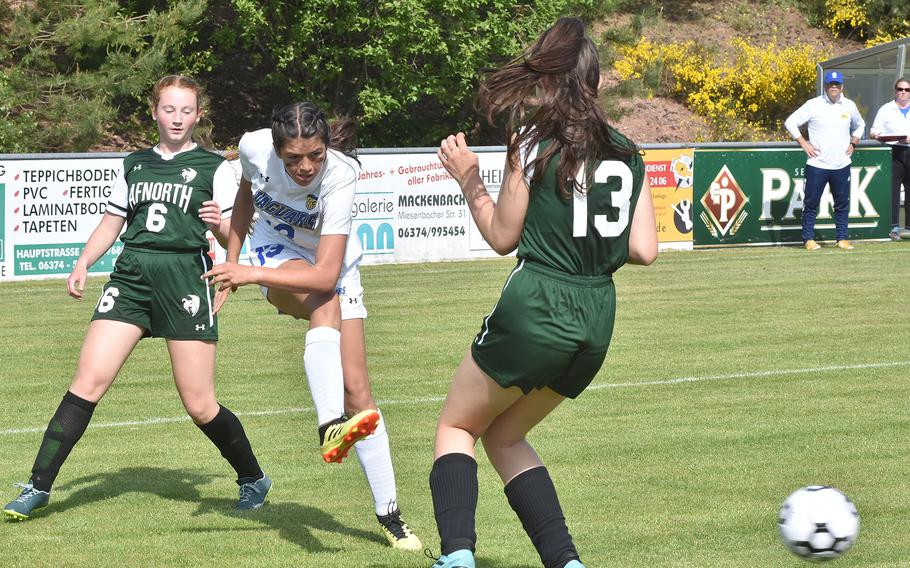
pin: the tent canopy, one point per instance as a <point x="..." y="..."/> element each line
<point x="869" y="75"/>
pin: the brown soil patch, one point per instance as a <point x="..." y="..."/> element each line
<point x="713" y="25"/>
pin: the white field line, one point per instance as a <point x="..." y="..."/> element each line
<point x="435" y="399"/>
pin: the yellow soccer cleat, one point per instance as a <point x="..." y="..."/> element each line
<point x="341" y="436"/>
<point x="398" y="533"/>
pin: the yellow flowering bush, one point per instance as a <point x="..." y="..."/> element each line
<point x="846" y="16"/>
<point x="740" y="100"/>
<point x="889" y="31"/>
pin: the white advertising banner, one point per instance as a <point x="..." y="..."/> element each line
<point x="407" y="209"/>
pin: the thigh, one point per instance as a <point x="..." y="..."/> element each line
<point x="517" y="420"/>
<point x="839" y="182"/>
<point x="350" y="293"/>
<point x="319" y="309"/>
<point x="901" y="172"/>
<point x="127" y="296"/>
<point x="287" y="256"/>
<point x="816" y="179"/>
<point x="107" y="345"/>
<point x="473" y="402"/>
<point x="898" y="169"/>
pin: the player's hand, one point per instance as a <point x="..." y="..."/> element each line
<point x="810" y="150"/>
<point x="230" y="275"/>
<point x="75" y="282"/>
<point x="210" y="213"/>
<point x="457" y="158"/>
<point x="221" y="296"/>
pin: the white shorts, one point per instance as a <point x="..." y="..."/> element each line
<point x="348" y="288"/>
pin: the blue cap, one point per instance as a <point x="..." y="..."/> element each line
<point x="834" y="77"/>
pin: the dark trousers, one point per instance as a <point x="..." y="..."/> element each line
<point x="839" y="182"/>
<point x="900" y="175"/>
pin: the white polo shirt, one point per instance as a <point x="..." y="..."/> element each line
<point x="890" y="120"/>
<point x="831" y="126"/>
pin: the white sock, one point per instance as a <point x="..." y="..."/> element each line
<point x="322" y="361"/>
<point x="376" y="461"/>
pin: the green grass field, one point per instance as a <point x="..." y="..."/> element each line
<point x="734" y="377"/>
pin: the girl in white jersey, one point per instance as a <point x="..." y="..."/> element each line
<point x="300" y="177"/>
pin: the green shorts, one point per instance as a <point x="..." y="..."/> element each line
<point x="548" y="329"/>
<point x="161" y="292"/>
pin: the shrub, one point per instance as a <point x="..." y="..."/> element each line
<point x="742" y="100"/>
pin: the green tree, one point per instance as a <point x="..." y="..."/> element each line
<point x="69" y="70"/>
<point x="406" y="68"/>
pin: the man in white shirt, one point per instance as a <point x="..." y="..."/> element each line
<point x="835" y="126"/>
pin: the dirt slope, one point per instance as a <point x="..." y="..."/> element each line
<point x="712" y="24"/>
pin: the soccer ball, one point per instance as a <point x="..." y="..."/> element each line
<point x="818" y="523"/>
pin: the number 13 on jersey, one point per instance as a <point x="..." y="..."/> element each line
<point x="620" y="199"/>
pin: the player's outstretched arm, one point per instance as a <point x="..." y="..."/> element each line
<point x="104" y="235"/>
<point x="319" y="278"/>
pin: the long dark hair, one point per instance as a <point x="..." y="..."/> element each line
<point x="549" y="92"/>
<point x="305" y="120"/>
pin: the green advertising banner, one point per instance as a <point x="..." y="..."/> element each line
<point x="35" y="260"/>
<point x="755" y="196"/>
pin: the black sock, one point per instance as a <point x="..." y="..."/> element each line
<point x="533" y="497"/>
<point x="453" y="483"/>
<point x="226" y="432"/>
<point x="63" y="431"/>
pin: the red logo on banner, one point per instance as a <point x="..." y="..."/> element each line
<point x="724" y="201"/>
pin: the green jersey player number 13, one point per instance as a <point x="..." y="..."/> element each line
<point x="622" y="201"/>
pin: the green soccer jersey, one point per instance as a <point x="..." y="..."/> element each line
<point x="587" y="234"/>
<point x="160" y="196"/>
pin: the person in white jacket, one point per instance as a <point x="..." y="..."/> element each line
<point x="835" y="127"/>
<point x="892" y="126"/>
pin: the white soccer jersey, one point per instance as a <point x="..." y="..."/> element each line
<point x="299" y="214"/>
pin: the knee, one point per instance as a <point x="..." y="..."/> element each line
<point x="201" y="412"/>
<point x="324" y="309"/>
<point x="90" y="387"/>
<point x="496" y="439"/>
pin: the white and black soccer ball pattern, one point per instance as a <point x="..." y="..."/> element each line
<point x="818" y="522"/>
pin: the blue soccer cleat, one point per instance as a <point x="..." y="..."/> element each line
<point x="574" y="564"/>
<point x="29" y="501"/>
<point x="252" y="492"/>
<point x="463" y="558"/>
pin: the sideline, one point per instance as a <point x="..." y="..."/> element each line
<point x="665" y="382"/>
